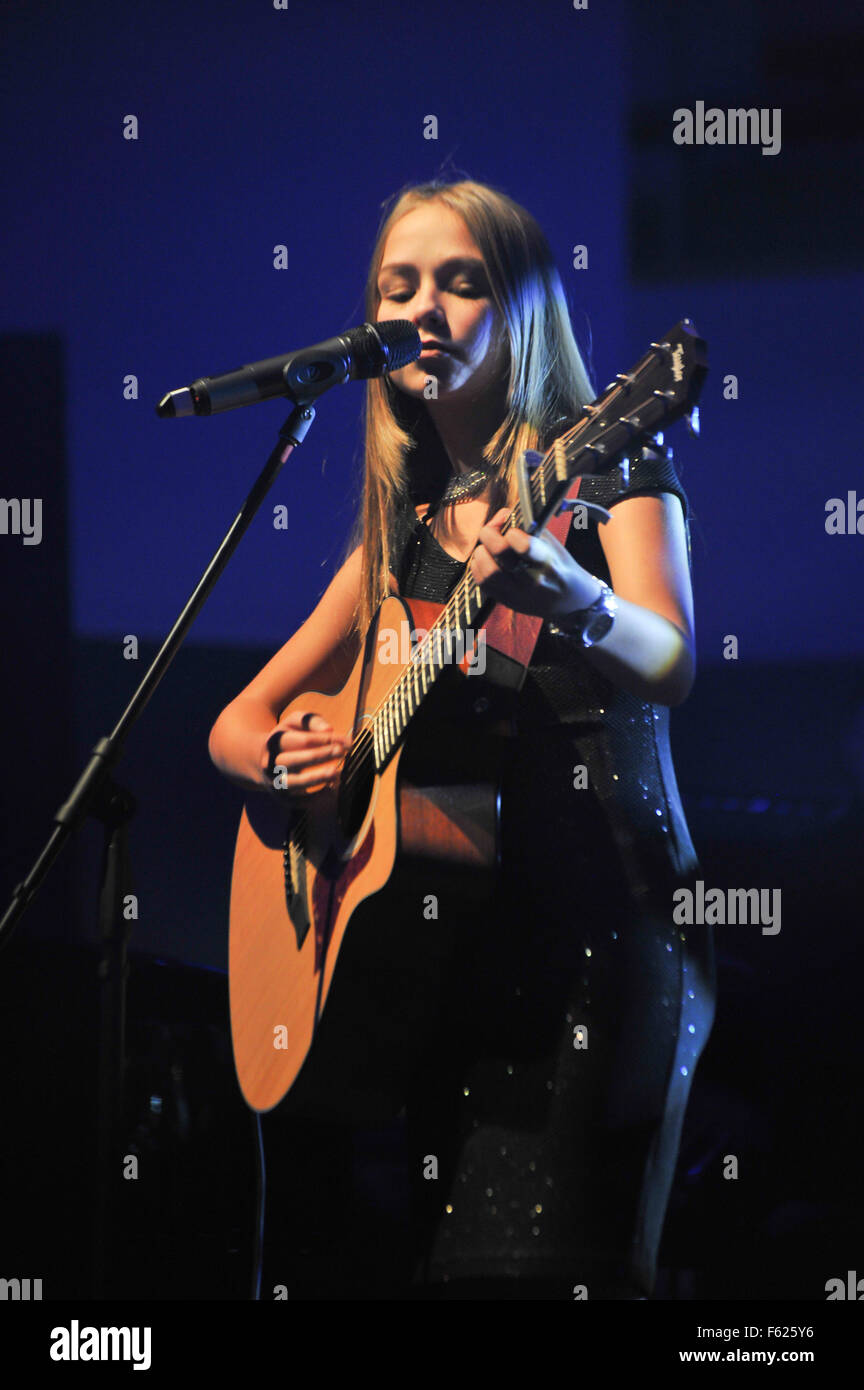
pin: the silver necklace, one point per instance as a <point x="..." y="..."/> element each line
<point x="464" y="485"/>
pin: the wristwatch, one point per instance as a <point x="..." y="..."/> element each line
<point x="589" y="624"/>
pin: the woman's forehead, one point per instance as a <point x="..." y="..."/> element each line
<point x="431" y="229"/>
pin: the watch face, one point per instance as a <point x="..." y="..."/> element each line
<point x="596" y="627"/>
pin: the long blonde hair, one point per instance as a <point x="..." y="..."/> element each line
<point x="548" y="382"/>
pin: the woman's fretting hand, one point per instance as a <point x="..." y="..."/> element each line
<point x="549" y="582"/>
<point x="303" y="753"/>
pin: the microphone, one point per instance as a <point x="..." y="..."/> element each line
<point x="371" y="350"/>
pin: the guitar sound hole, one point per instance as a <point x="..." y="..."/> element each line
<point x="355" y="791"/>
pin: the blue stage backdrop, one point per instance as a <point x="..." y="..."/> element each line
<point x="192" y="187"/>
<point x="259" y="126"/>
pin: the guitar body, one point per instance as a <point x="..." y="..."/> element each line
<point x="299" y="876"/>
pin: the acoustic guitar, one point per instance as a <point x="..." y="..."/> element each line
<point x="301" y="870"/>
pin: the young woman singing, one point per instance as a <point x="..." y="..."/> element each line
<point x="535" y="1052"/>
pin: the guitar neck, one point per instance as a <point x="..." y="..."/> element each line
<point x="448" y="639"/>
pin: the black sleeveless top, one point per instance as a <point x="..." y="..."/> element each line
<point x="568" y="715"/>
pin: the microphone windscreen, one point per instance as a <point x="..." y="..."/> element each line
<point x="379" y="348"/>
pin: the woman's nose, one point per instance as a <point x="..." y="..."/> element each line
<point x="427" y="305"/>
<point x="432" y="321"/>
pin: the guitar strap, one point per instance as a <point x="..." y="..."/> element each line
<point x="515" y="634"/>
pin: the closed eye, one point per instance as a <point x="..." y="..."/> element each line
<point x="466" y="289"/>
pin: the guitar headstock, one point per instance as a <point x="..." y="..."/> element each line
<point x="664" y="385"/>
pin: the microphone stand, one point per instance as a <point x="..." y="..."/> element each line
<point x="97" y="794"/>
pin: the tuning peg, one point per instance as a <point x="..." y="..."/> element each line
<point x="631" y="423"/>
<point x="691" y="420"/>
<point x="655" y="445"/>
